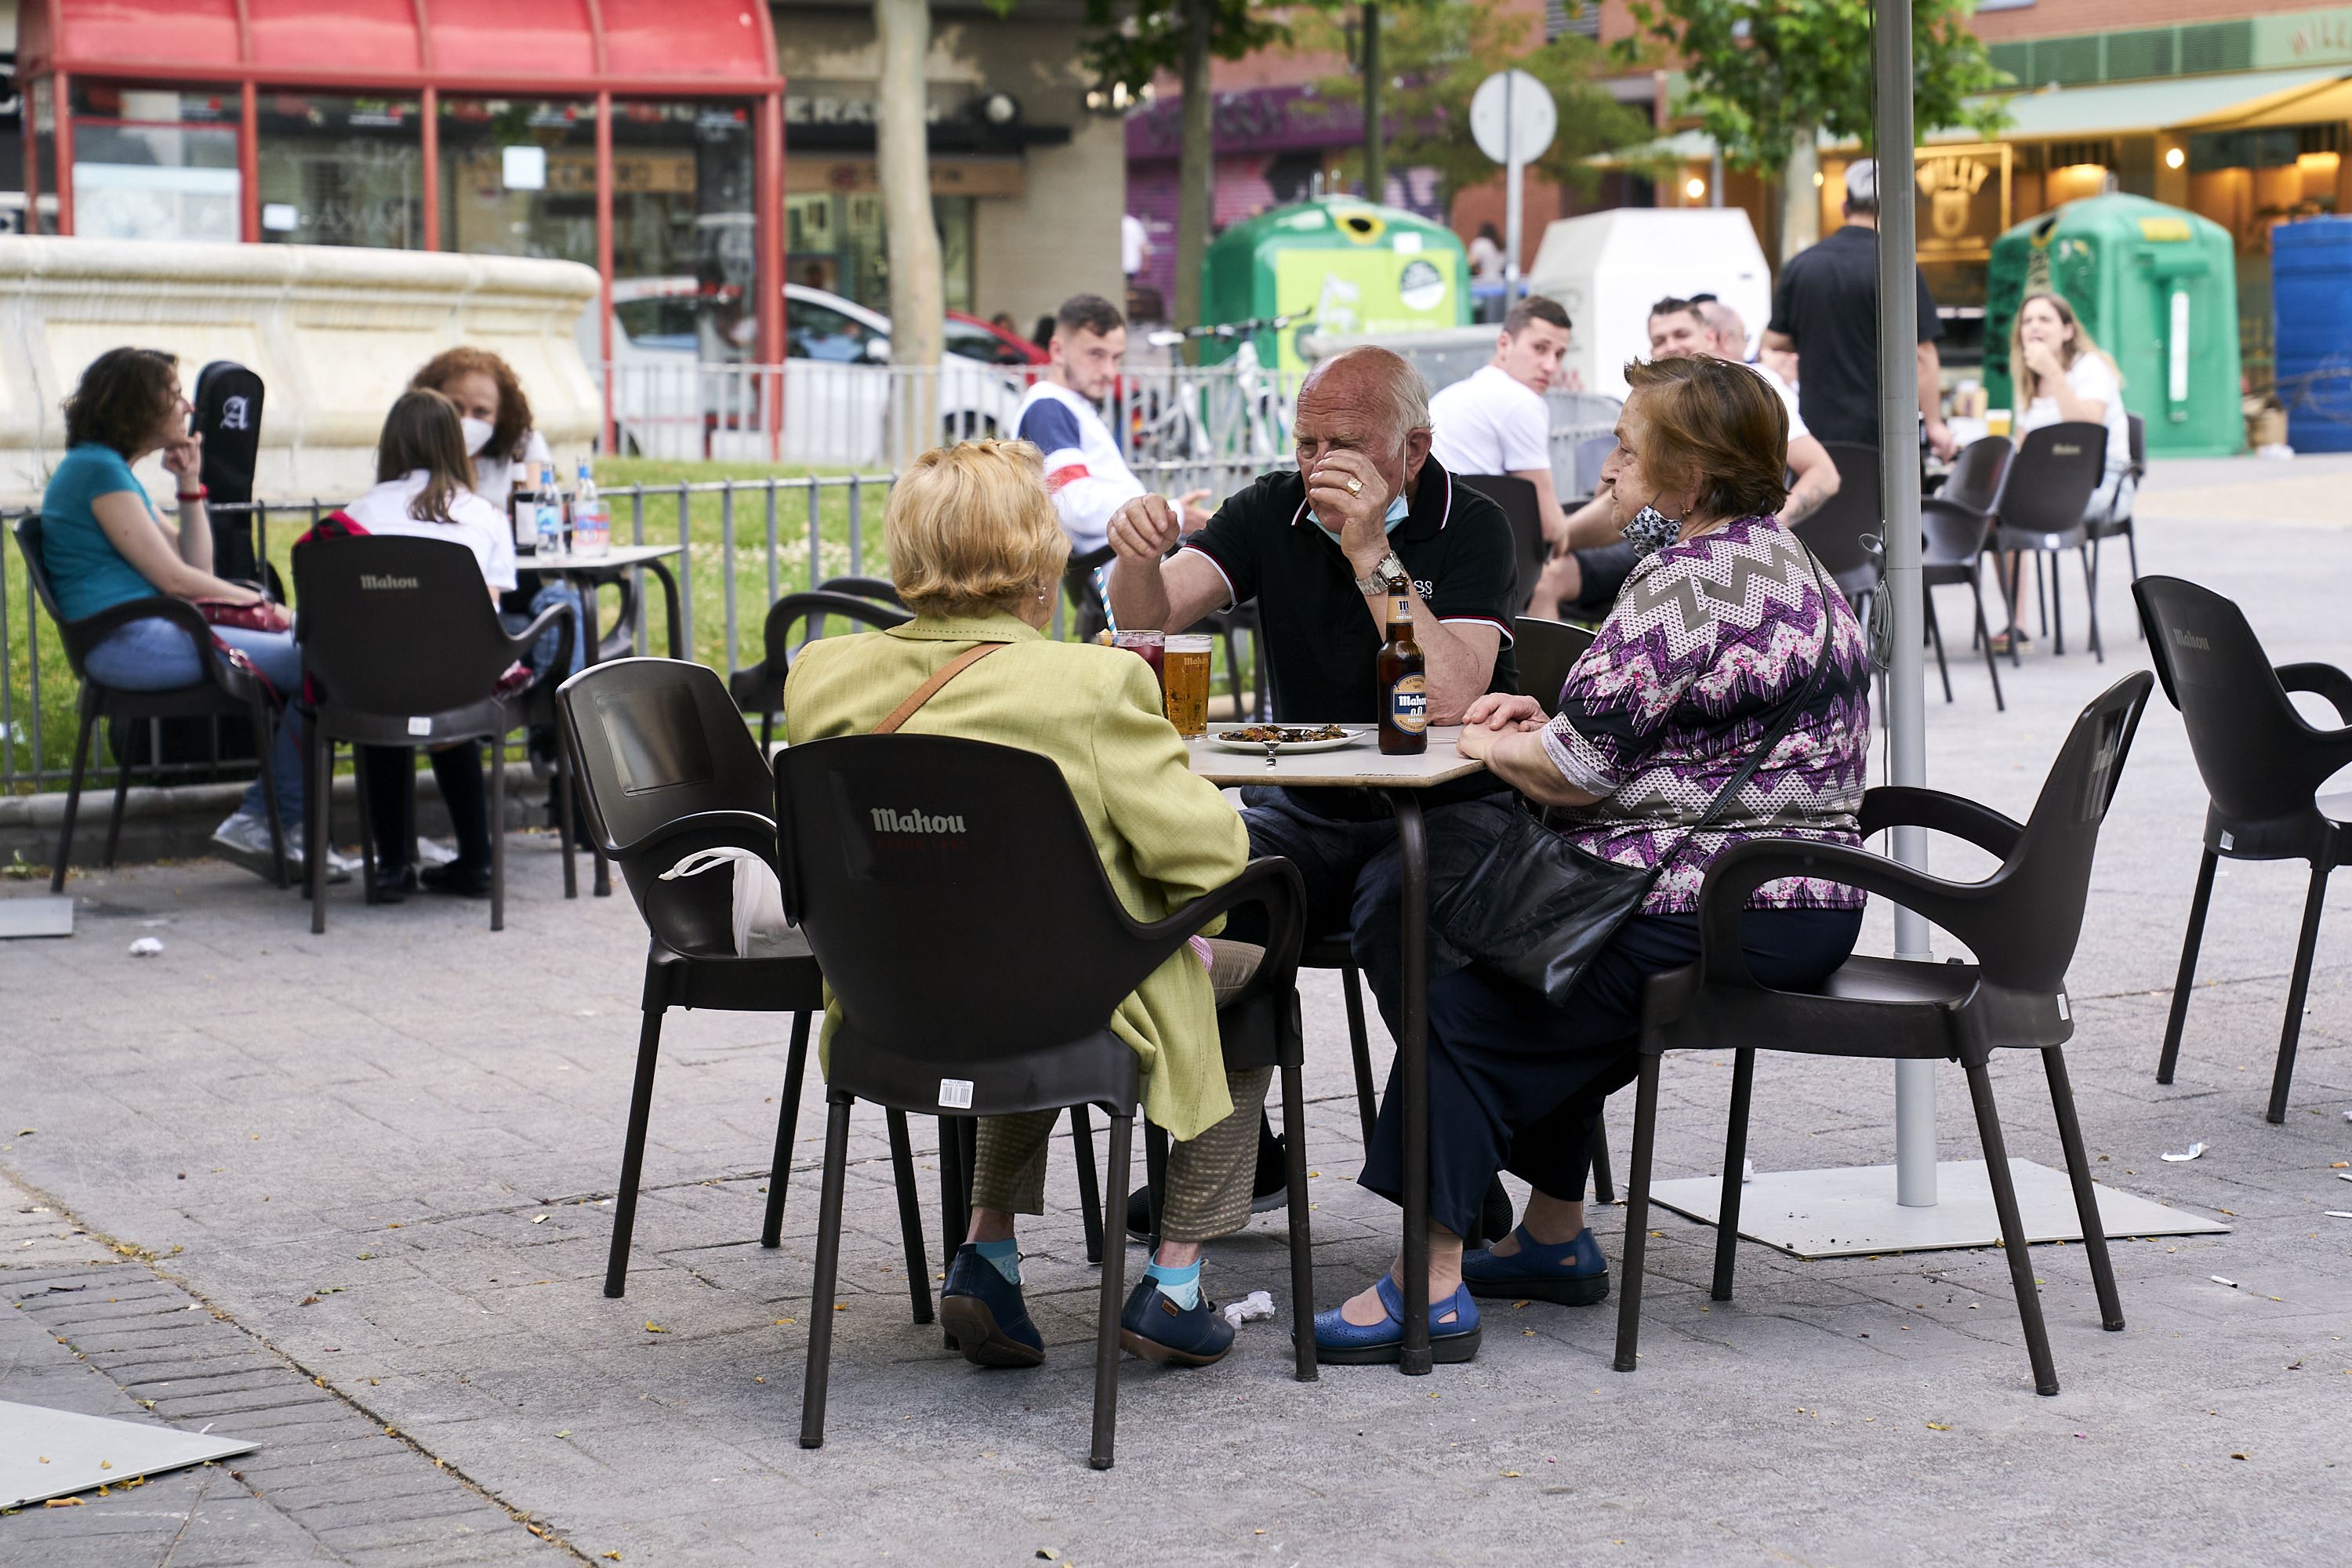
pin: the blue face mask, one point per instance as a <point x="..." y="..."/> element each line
<point x="1397" y="510"/>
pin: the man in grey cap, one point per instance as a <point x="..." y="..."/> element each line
<point x="1826" y="312"/>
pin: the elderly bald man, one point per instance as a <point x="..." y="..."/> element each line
<point x="1317" y="548"/>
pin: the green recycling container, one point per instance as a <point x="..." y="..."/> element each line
<point x="2157" y="288"/>
<point x="1342" y="265"/>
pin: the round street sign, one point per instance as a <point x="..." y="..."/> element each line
<point x="1511" y="116"/>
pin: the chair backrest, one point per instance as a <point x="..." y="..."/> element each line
<point x="390" y="623"/>
<point x="2039" y="893"/>
<point x="2254" y="751"/>
<point x="1591" y="453"/>
<point x="656" y="743"/>
<point x="814" y="608"/>
<point x="1976" y="475"/>
<point x="1836" y="532"/>
<point x="36" y="567"/>
<point x="895" y="850"/>
<point x="2138" y="429"/>
<point x="1548" y="650"/>
<point x="880" y="588"/>
<point x="1951" y="532"/>
<point x="1517" y="496"/>
<point x="2050" y="479"/>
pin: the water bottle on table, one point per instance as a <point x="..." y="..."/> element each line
<point x="592" y="517"/>
<point x="551" y="513"/>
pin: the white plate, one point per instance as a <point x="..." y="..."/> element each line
<point x="1288" y="748"/>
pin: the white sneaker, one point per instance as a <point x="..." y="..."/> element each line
<point x="243" y="839"/>
<point x="433" y="852"/>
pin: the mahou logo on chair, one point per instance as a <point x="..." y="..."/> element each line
<point x="886" y="820"/>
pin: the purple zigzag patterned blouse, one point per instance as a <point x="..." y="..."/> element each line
<point x="1707" y="639"/>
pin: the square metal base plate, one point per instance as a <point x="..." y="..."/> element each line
<point x="56" y="1453"/>
<point x="47" y="915"/>
<point x="1851" y="1211"/>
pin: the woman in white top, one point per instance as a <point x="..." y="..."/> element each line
<point x="422" y="489"/>
<point x="2061" y="376"/>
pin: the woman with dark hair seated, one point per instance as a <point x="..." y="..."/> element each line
<point x="422" y="489"/>
<point x="1711" y="650"/>
<point x="104" y="544"/>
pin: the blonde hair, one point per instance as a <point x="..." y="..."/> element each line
<point x="971" y="529"/>
<point x="2022" y="380"/>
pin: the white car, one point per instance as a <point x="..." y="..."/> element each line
<point x="682" y="387"/>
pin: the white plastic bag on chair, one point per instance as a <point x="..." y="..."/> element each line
<point x="761" y="929"/>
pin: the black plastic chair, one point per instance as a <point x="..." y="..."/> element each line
<point x="1956" y="523"/>
<point x="400" y="647"/>
<point x="667" y="769"/>
<point x="877" y="588"/>
<point x="1517" y="496"/>
<point x="1011" y="1014"/>
<point x="223" y="689"/>
<point x="2262" y="764"/>
<point x="1837" y="532"/>
<point x="2022" y="923"/>
<point x="2118" y="520"/>
<point x="760" y="687"/>
<point x="2043" y="500"/>
<point x="1547" y="650"/>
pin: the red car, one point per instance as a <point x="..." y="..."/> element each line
<point x="972" y="338"/>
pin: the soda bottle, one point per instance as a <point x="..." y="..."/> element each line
<point x="592" y="518"/>
<point x="1403" y="686"/>
<point x="550" y="511"/>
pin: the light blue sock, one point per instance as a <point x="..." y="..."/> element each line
<point x="1005" y="1255"/>
<point x="1182" y="1286"/>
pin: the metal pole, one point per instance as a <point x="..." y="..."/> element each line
<point x="1898" y="489"/>
<point x="1715" y="177"/>
<point x="1513" y="169"/>
<point x="1376" y="163"/>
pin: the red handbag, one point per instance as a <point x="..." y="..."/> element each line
<point x="259" y="616"/>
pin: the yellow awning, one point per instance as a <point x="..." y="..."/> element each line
<point x="2309" y="103"/>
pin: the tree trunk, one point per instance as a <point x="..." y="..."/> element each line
<point x="902" y="159"/>
<point x="1376" y="161"/>
<point x="1800" y="199"/>
<point x="1196" y="168"/>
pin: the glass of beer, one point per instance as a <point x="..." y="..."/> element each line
<point x="1184" y="683"/>
<point x="1150" y="645"/>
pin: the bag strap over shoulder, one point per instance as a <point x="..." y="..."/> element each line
<point x="930" y="689"/>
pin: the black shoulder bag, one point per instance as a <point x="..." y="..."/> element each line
<point x="1539" y="909"/>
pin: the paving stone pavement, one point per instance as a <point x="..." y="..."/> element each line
<point x="380" y="1159"/>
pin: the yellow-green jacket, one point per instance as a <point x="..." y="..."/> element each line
<point x="1164" y="836"/>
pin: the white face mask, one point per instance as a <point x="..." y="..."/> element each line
<point x="477" y="435"/>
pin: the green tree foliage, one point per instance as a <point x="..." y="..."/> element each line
<point x="1764" y="73"/>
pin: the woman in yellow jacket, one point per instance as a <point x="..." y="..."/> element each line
<point x="977" y="553"/>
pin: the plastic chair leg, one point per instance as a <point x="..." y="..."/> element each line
<point x="1155" y="1175"/>
<point x="633" y="1154"/>
<point x="1637" y="1217"/>
<point x="1936" y="636"/>
<point x="2086" y="1200"/>
<point x="264" y="730"/>
<point x="1351" y="986"/>
<point x="828" y="1263"/>
<point x="954" y="1188"/>
<point x="911" y="1217"/>
<point x="2187" y="977"/>
<point x="2091" y="597"/>
<point x="1734" y="1158"/>
<point x="317" y="790"/>
<point x="1302" y="1243"/>
<point x="1596" y="1138"/>
<point x="114" y="819"/>
<point x="2299" y="988"/>
<point x="1114" y="1291"/>
<point x="1984" y="637"/>
<point x="497" y="833"/>
<point x="73" y="793"/>
<point x="2012" y="1231"/>
<point x="1082" y="1145"/>
<point x="788" y="1118"/>
<point x="561" y="785"/>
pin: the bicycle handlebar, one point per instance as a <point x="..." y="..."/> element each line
<point x="1168" y="337"/>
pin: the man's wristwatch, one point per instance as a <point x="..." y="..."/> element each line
<point x="1387" y="577"/>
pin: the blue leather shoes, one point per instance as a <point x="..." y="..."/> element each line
<point x="986" y="1314"/>
<point x="1158" y="1330"/>
<point x="1339" y="1342"/>
<point x="1573" y="1273"/>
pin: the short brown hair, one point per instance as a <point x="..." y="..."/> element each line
<point x="422" y="432"/>
<point x="1675" y="305"/>
<point x="1088" y="313"/>
<point x="123" y="395"/>
<point x="513" y="422"/>
<point x="1714" y="426"/>
<point x="971" y="529"/>
<point x="1534" y="308"/>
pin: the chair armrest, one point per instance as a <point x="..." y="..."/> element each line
<point x="2323" y="680"/>
<point x="683" y="835"/>
<point x="1940" y="503"/>
<point x="81" y="636"/>
<point x="520" y="642"/>
<point x="1901" y="806"/>
<point x="1270" y="880"/>
<point x="1100" y="556"/>
<point x="1964" y="908"/>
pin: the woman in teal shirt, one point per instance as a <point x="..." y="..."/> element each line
<point x="104" y="544"/>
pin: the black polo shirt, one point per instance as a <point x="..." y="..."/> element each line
<point x="1828" y="301"/>
<point x="1321" y="646"/>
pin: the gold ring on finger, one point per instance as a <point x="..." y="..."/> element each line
<point x="1355" y="487"/>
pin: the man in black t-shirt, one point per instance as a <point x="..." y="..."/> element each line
<point x="1826" y="312"/>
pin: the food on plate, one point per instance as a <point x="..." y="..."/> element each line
<point x="1283" y="734"/>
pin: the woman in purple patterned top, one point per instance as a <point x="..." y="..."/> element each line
<point x="1718" y="630"/>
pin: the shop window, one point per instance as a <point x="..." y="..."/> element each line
<point x="155" y="164"/>
<point x="518" y="178"/>
<point x="341" y="171"/>
<point x="41" y="125"/>
<point x="683" y="221"/>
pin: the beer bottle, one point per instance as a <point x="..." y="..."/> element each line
<point x="1404" y="689"/>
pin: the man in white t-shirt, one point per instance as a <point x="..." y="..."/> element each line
<point x="1059" y="416"/>
<point x="1134" y="244"/>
